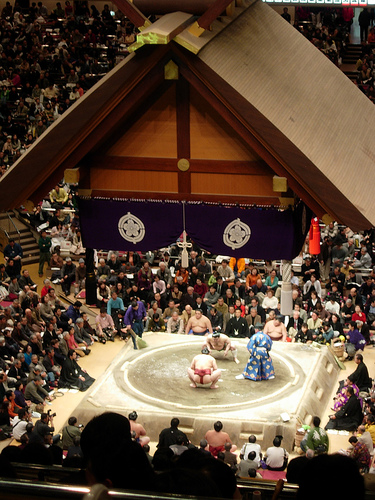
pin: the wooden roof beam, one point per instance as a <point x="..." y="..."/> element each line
<point x="133" y="14"/>
<point x="205" y="21"/>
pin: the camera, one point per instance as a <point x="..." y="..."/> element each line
<point x="80" y="426"/>
<point x="51" y="415"/>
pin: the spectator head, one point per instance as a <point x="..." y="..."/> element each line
<point x="277" y="441"/>
<point x="353" y="440"/>
<point x="113" y="458"/>
<point x="251" y="455"/>
<point x="325" y="467"/>
<point x="316" y="421"/>
<point x="252" y="472"/>
<point x="227" y="446"/>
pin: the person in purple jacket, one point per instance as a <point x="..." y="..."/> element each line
<point x="356" y="341"/>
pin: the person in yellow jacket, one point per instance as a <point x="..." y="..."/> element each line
<point x="58" y="195"/>
<point x="240" y="263"/>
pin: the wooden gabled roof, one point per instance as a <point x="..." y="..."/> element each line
<point x="284" y="98"/>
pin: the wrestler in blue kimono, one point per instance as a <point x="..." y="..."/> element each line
<point x="259" y="366"/>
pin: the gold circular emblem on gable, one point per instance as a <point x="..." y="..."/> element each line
<point x="183" y="164"/>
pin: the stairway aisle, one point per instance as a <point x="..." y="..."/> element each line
<point x="23" y="235"/>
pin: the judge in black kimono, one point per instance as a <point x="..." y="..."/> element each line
<point x="237" y="326"/>
<point x="72" y="376"/>
<point x="349" y="416"/>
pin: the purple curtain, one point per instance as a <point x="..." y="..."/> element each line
<point x="247" y="232"/>
<point x="123" y="225"/>
<point x="242" y="232"/>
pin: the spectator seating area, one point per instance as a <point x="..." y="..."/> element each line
<point x="48" y="61"/>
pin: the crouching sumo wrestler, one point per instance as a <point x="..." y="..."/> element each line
<point x="203" y="370"/>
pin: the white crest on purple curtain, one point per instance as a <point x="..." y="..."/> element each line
<point x="131" y="228"/>
<point x="236" y="234"/>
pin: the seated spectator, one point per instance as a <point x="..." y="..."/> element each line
<point x="175" y="324"/>
<point x="332" y="306"/>
<point x="180" y="446"/>
<point x="105" y="326"/>
<point x="347" y="310"/>
<point x="35" y="393"/>
<point x="156" y="323"/>
<point x="252" y="445"/>
<point x="364" y="436"/>
<point x="13" y="408"/>
<point x="229" y="457"/>
<point x="73" y="312"/>
<point x="19" y="423"/>
<point x="81" y="349"/>
<point x="252" y="278"/>
<point x="272" y="281"/>
<point x="356" y="340"/>
<point x="247" y="463"/>
<point x="5" y="424"/>
<point x="314" y="323"/>
<point x="360" y="454"/>
<point x="112" y="457"/>
<point x="294" y="324"/>
<point x="316" y="439"/>
<point x="81" y="335"/>
<point x="359" y="315"/>
<point x="225" y="271"/>
<point x="296" y="465"/>
<point x="80" y="278"/>
<point x="276" y="457"/>
<point x="70" y="432"/>
<point x="364" y="261"/>
<point x="270" y="302"/>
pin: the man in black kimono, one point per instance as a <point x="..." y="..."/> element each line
<point x="349" y="416"/>
<point x="237" y="326"/>
<point x="360" y="376"/>
<point x="72" y="375"/>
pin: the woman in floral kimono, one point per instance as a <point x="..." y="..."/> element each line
<point x="259" y="366"/>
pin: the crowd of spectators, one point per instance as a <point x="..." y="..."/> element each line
<point x="113" y="453"/>
<point x="42" y="337"/>
<point x="48" y="60"/>
<point x="329" y="31"/>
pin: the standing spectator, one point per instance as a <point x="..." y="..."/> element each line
<point x="286" y="14"/>
<point x="68" y="274"/>
<point x="364" y="20"/>
<point x="44" y="244"/>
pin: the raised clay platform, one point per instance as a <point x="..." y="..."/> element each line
<point x="154" y="382"/>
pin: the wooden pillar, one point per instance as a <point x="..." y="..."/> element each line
<point x="183" y="135"/>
